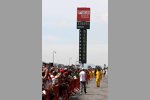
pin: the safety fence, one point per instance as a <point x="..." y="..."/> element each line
<point x="55" y="94"/>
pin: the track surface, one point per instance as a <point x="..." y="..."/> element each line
<point x="93" y="92"/>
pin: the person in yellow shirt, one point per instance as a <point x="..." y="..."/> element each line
<point x="98" y="77"/>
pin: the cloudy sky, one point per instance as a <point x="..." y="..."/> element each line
<point x="59" y="31"/>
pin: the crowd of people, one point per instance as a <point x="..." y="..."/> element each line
<point x="62" y="83"/>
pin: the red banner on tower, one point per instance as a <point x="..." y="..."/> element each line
<point x="83" y="14"/>
<point x="83" y="18"/>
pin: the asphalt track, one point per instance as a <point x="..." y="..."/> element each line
<point x="93" y="92"/>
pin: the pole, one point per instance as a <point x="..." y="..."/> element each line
<point x="53" y="56"/>
<point x="82" y="65"/>
<point x="69" y="61"/>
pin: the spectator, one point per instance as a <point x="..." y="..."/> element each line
<point x="83" y="81"/>
<point x="98" y="77"/>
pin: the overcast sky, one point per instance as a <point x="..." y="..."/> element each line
<point x="59" y="31"/>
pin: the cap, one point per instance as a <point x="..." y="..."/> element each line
<point x="65" y="68"/>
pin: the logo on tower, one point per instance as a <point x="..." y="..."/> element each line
<point x="83" y="18"/>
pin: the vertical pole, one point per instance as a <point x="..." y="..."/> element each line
<point x="53" y="57"/>
<point x="69" y="61"/>
<point x="82" y="65"/>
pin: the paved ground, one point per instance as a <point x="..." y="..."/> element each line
<point x="93" y="92"/>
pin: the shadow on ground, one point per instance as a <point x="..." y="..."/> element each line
<point x="74" y="98"/>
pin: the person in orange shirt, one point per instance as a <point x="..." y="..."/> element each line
<point x="93" y="76"/>
<point x="87" y="76"/>
<point x="90" y="74"/>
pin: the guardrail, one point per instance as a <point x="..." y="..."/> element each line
<point x="72" y="88"/>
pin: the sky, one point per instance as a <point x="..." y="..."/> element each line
<point x="59" y="32"/>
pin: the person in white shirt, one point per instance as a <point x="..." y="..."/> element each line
<point x="53" y="77"/>
<point x="82" y="75"/>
